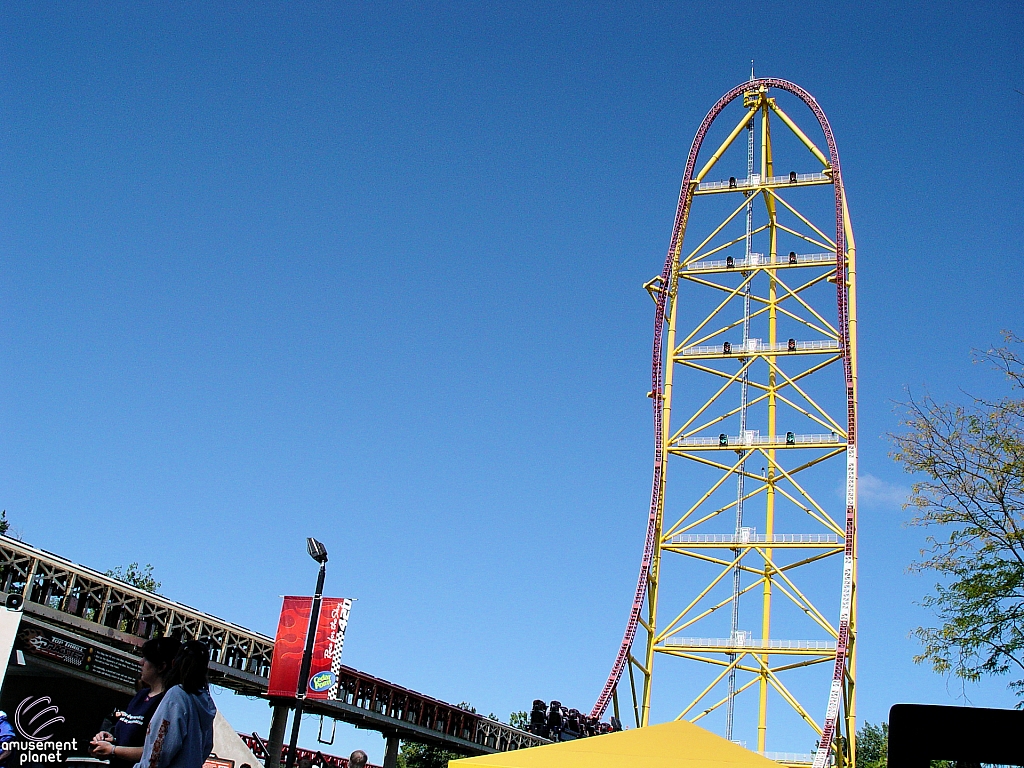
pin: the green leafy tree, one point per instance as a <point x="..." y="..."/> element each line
<point x="873" y="745"/>
<point x="413" y="755"/>
<point x="873" y="748"/>
<point x="141" y="577"/>
<point x="971" y="461"/>
<point x="6" y="529"/>
<point x="520" y="720"/>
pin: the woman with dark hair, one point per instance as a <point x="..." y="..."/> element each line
<point x="181" y="730"/>
<point x="124" y="744"/>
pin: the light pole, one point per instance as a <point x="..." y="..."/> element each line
<point x="319" y="553"/>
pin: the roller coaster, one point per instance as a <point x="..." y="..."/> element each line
<point x="759" y="352"/>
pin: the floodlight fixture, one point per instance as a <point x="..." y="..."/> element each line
<point x="316" y="550"/>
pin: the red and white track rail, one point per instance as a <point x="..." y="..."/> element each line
<point x="657" y="388"/>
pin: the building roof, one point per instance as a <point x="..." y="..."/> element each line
<point x="677" y="744"/>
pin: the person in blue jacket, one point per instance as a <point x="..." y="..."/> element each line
<point x="7" y="735"/>
<point x="181" y="730"/>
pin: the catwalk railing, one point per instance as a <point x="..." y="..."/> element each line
<point x="760" y="260"/>
<point x="756" y="182"/>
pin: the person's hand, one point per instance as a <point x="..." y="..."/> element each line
<point x="102" y="748"/>
<point x="103" y="736"/>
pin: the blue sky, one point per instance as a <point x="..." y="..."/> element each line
<point x="373" y="274"/>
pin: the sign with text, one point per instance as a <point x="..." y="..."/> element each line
<point x="55" y="647"/>
<point x="290" y="642"/>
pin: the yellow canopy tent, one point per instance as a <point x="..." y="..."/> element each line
<point x="677" y="744"/>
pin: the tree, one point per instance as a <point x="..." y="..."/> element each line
<point x="873" y="748"/>
<point x="873" y="745"/>
<point x="136" y="576"/>
<point x="971" y="458"/>
<point x="520" y="720"/>
<point x="6" y="529"/>
<point x="413" y="755"/>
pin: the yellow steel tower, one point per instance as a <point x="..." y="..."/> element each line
<point x="749" y="570"/>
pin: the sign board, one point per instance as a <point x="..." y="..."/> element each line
<point x="290" y="643"/>
<point x="218" y="762"/>
<point x="81" y="655"/>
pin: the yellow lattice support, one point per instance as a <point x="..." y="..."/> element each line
<point x="754" y="392"/>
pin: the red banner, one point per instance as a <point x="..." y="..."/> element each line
<point x="327" y="646"/>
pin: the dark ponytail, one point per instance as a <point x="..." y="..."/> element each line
<point x="189" y="667"/>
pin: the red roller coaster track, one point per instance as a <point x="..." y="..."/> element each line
<point x="657" y="378"/>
